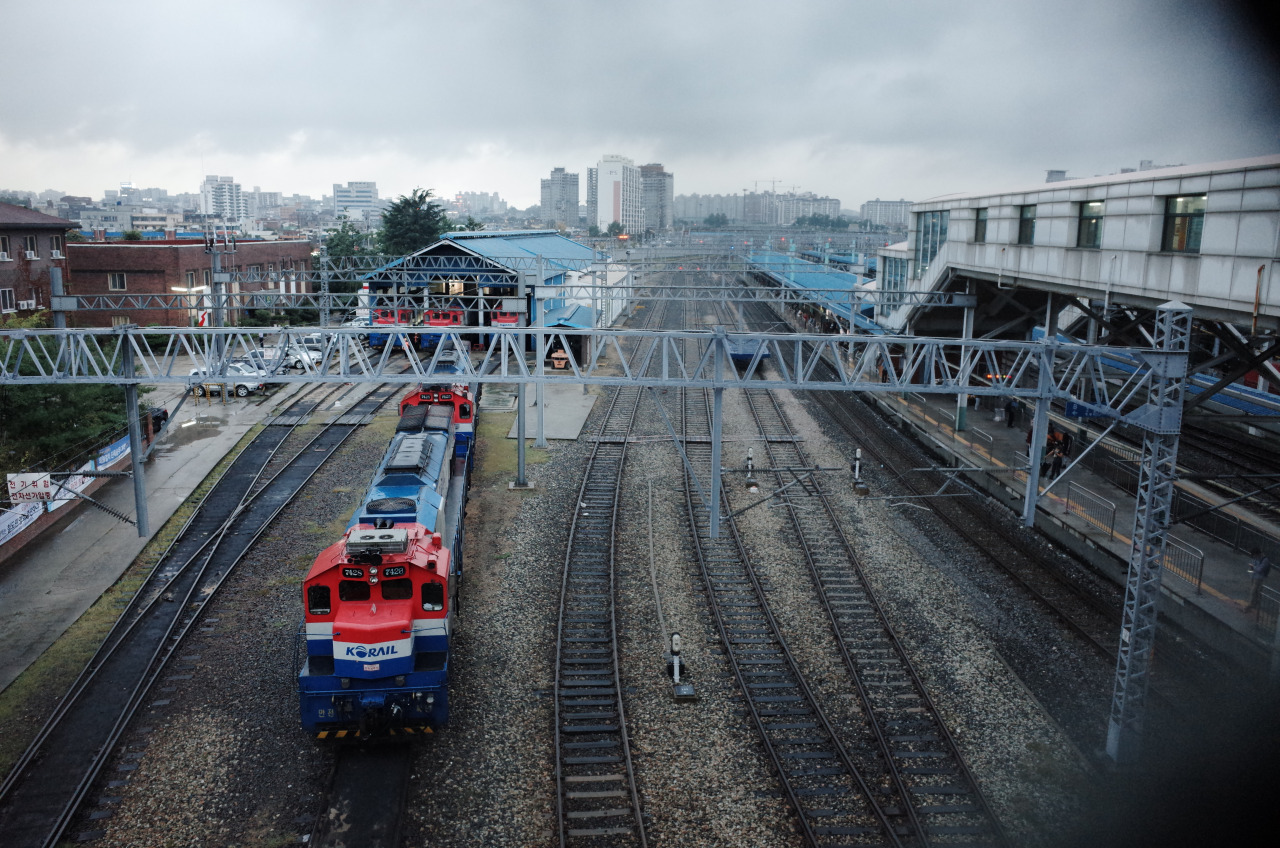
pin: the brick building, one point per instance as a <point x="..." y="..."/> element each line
<point x="176" y="266"/>
<point x="31" y="244"/>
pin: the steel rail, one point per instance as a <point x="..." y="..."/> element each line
<point x="365" y="799"/>
<point x="913" y="747"/>
<point x="835" y="805"/>
<point x="38" y="802"/>
<point x="597" y="802"/>
<point x="196" y="531"/>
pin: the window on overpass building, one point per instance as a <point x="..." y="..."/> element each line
<point x="1090" y="232"/>
<point x="1027" y="224"/>
<point x="1183" y="223"/>
<point x="980" y="226"/>
<point x="931" y="234"/>
<point x="115" y="281"/>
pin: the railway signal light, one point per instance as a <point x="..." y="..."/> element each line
<point x="860" y="487"/>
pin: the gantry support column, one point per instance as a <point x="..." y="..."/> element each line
<point x="1151" y="522"/>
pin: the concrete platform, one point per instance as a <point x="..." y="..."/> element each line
<point x="1213" y="608"/>
<point x="565" y="409"/>
<point x="53" y="580"/>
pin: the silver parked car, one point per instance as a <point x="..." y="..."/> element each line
<point x="242" y="377"/>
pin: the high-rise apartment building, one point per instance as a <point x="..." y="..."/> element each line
<point x="886" y="213"/>
<point x="619" y="194"/>
<point x="593" y="197"/>
<point x="659" y="197"/>
<point x="480" y="203"/>
<point x="560" y="198"/>
<point x="355" y="197"/>
<point x="220" y="197"/>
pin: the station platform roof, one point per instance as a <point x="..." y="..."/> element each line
<point x="557" y="251"/>
<point x="824" y="286"/>
<point x="504" y="251"/>
<point x="575" y="316"/>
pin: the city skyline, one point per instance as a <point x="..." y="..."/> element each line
<point x="847" y="99"/>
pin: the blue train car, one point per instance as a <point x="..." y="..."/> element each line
<point x="380" y="603"/>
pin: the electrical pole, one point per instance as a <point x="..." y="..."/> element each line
<point x="1156" y="475"/>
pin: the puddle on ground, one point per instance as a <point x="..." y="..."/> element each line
<point x="183" y="433"/>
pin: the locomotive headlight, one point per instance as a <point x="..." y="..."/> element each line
<point x="372" y="580"/>
<point x="346" y="683"/>
<point x="399" y="679"/>
<point x="373" y="572"/>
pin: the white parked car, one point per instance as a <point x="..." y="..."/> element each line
<point x="243" y="378"/>
<point x="358" y="322"/>
<point x="294" y="356"/>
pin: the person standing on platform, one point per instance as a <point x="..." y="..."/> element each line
<point x="1259" y="568"/>
<point x="1011" y="413"/>
<point x="1056" y="456"/>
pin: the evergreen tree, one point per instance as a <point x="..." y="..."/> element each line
<point x="412" y="223"/>
<point x="344" y="241"/>
<point x="51" y="427"/>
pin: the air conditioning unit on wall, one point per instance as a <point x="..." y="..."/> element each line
<point x="57" y="254"/>
<point x="31" y="254"/>
<point x="26" y="304"/>
<point x="4" y="257"/>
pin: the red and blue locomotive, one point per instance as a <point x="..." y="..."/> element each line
<point x="380" y="604"/>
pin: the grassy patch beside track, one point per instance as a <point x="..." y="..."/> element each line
<point x="496" y="454"/>
<point x="27" y="702"/>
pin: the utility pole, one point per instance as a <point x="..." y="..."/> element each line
<point x="1156" y="475"/>
<point x="135" y="435"/>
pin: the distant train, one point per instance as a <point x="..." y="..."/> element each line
<point x="423" y="332"/>
<point x="380" y="604"/>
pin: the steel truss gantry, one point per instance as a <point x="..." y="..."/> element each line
<point x="1147" y="393"/>
<point x="1152" y="514"/>
<point x="607" y="357"/>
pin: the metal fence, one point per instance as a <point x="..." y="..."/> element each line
<point x="1186" y="561"/>
<point x="1097" y="510"/>
<point x="1120" y="467"/>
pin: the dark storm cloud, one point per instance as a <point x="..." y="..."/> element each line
<point x="848" y="98"/>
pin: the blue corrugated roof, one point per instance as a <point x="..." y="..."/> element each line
<point x="501" y="247"/>
<point x="576" y="316"/>
<point x="548" y="244"/>
<point x="795" y="273"/>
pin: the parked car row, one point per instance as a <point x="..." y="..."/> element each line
<point x="252" y="373"/>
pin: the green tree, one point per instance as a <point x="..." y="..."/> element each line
<point x="469" y="225"/>
<point x="131" y="235"/>
<point x="76" y="236"/>
<point x="346" y="240"/>
<point x="717" y="219"/>
<point x="593" y="231"/>
<point x="50" y="427"/>
<point x="615" y="229"/>
<point x="411" y="223"/>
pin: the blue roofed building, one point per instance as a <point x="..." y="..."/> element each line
<point x="487" y="270"/>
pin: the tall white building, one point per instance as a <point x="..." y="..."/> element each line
<point x="355" y="198"/>
<point x="886" y="213"/>
<point x="593" y="197"/>
<point x="619" y="194"/>
<point x="221" y="197"/>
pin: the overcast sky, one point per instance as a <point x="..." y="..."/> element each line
<point x="855" y="100"/>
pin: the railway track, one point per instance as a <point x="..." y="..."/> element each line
<point x="365" y="802"/>
<point x="834" y="804"/>
<point x="597" y="802"/>
<point x="40" y="795"/>
<point x="907" y="750"/>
